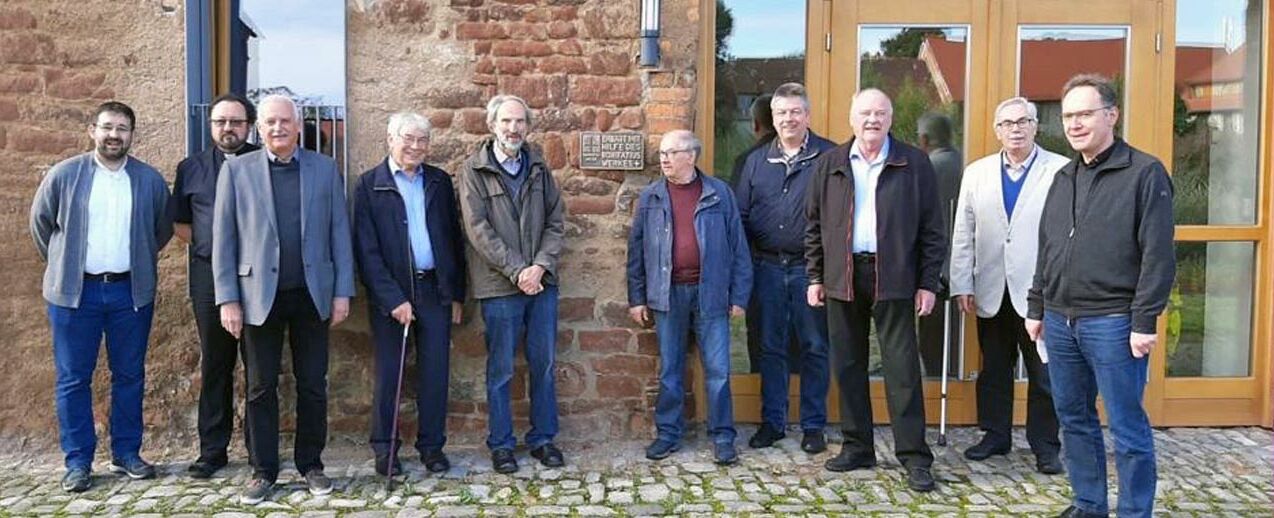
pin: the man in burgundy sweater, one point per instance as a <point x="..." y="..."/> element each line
<point x="689" y="268"/>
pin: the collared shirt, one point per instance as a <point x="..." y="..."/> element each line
<point x="412" y="190"/>
<point x="510" y="164"/>
<point x="275" y="158"/>
<point x="110" y="218"/>
<point x="866" y="176"/>
<point x="1015" y="171"/>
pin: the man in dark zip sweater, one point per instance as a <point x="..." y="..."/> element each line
<point x="1102" y="277"/>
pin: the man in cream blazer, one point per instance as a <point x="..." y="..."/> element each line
<point x="994" y="243"/>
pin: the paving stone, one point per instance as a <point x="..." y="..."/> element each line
<point x="594" y="510"/>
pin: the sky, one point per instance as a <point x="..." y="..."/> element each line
<point x="302" y="45"/>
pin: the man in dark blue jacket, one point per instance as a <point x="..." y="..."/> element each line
<point x="410" y="256"/>
<point x="771" y="191"/>
<point x="688" y="264"/>
<point x="190" y="208"/>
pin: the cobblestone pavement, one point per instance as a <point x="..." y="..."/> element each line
<point x="1202" y="472"/>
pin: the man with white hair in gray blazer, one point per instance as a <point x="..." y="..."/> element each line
<point x="996" y="233"/>
<point x="282" y="259"/>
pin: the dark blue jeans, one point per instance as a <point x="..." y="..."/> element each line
<point x="507" y="318"/>
<point x="431" y="340"/>
<point x="105" y="309"/>
<point x="781" y="309"/>
<point x="1089" y="356"/>
<point x="712" y="333"/>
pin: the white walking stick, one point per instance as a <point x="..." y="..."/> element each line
<point x="393" y="432"/>
<point x="946" y="363"/>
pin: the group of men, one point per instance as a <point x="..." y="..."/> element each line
<point x="273" y="252"/>
<point x="827" y="242"/>
<point x="821" y="241"/>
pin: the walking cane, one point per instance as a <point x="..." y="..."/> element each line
<point x="393" y="432"/>
<point x="946" y="364"/>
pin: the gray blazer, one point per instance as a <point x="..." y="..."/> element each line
<point x="990" y="251"/>
<point x="245" y="238"/>
<point x="59" y="226"/>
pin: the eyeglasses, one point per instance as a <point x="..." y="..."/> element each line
<point x="230" y="123"/>
<point x="1022" y="123"/>
<point x="669" y="153"/>
<point x="108" y="129"/>
<point x="413" y="141"/>
<point x="1083" y="115"/>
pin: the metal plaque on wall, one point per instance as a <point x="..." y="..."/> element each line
<point x="625" y="150"/>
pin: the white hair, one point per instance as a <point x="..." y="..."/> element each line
<point x="407" y="120"/>
<point x="688" y="138"/>
<point x="280" y="98"/>
<point x="1022" y="101"/>
<point x="494" y="104"/>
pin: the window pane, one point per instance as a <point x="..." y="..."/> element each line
<point x="922" y="69"/>
<point x="1214" y="130"/>
<point x="1049" y="56"/>
<point x="751" y="62"/>
<point x="1210" y="311"/>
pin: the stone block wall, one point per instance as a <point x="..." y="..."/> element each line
<point x="573" y="60"/>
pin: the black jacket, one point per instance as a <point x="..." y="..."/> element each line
<point x="1114" y="252"/>
<point x="911" y="242"/>
<point x="383" y="247"/>
<point x="772" y="196"/>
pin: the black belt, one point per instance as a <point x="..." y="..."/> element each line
<point x="865" y="257"/>
<point x="107" y="277"/>
<point x="422" y="275"/>
<point x="783" y="258"/>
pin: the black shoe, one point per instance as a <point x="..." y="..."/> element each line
<point x="503" y="461"/>
<point x="77" y="480"/>
<point x="724" y="454"/>
<point x="848" y="461"/>
<point x="203" y="469"/>
<point x="135" y="468"/>
<point x="1075" y="512"/>
<point x="318" y="482"/>
<point x="814" y="442"/>
<point x="921" y="479"/>
<point x="258" y="489"/>
<point x="1048" y="464"/>
<point x="766" y="436"/>
<point x="382" y="465"/>
<point x="990" y="445"/>
<point x="435" y="461"/>
<point x="661" y="449"/>
<point x="549" y="455"/>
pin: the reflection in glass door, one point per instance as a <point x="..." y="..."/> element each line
<point x="1050" y="55"/>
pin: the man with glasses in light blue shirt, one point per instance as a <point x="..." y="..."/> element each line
<point x="414" y="274"/>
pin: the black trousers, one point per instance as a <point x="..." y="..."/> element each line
<point x="218" y="352"/>
<point x="294" y="312"/>
<point x="431" y="339"/>
<point x="1001" y="337"/>
<point x="849" y="324"/>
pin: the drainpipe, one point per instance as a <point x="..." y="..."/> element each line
<point x="649" y="56"/>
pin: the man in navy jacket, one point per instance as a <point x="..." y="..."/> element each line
<point x="410" y="256"/>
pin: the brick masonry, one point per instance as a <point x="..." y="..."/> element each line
<point x="571" y="59"/>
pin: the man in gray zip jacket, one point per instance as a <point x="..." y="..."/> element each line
<point x="512" y="215"/>
<point x="98" y="221"/>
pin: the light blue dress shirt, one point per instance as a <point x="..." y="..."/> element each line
<point x="866" y="176"/>
<point x="413" y="192"/>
